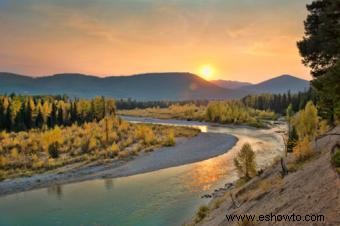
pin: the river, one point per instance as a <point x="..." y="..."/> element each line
<point x="165" y="197"/>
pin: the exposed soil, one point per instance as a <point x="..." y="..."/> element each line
<point x="312" y="189"/>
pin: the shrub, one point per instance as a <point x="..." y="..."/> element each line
<point x="202" y="213"/>
<point x="323" y="127"/>
<point x="89" y="145"/>
<point x="3" y="162"/>
<point x="53" y="150"/>
<point x="146" y="134"/>
<point x="123" y="154"/>
<point x="306" y="121"/>
<point x="336" y="158"/>
<point x="113" y="150"/>
<point x="85" y="146"/>
<point x="218" y="203"/>
<point x="14" y="153"/>
<point x="245" y="162"/>
<point x="303" y="150"/>
<point x="246" y="222"/>
<point x="170" y="139"/>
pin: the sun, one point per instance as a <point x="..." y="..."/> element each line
<point x="207" y="71"/>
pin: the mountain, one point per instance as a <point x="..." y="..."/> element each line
<point x="152" y="86"/>
<point x="230" y="84"/>
<point x="280" y="84"/>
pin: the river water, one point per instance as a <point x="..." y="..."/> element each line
<point x="162" y="198"/>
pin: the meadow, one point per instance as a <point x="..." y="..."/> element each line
<point x="38" y="150"/>
<point x="225" y="112"/>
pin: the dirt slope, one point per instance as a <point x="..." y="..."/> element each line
<point x="312" y="189"/>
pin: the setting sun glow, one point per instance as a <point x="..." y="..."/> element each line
<point x="207" y="71"/>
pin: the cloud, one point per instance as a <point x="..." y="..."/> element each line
<point x="131" y="36"/>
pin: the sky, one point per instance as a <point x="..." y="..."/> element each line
<point x="244" y="40"/>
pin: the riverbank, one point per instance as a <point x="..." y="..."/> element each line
<point x="187" y="150"/>
<point x="310" y="188"/>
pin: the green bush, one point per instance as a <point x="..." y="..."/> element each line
<point x="202" y="213"/>
<point x="336" y="158"/>
<point x="53" y="150"/>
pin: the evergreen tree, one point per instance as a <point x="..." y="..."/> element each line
<point x="2" y="115"/>
<point x="8" y="119"/>
<point x="60" y="116"/>
<point x="53" y="116"/>
<point x="74" y="112"/>
<point x="39" y="121"/>
<point x="28" y="118"/>
<point x="320" y="49"/>
<point x="292" y="139"/>
<point x="20" y="119"/>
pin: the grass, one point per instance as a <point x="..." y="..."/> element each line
<point x="175" y="111"/>
<point x="39" y="150"/>
<point x="225" y="112"/>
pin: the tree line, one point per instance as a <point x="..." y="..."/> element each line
<point x="128" y="104"/>
<point x="19" y="113"/>
<point x="280" y="102"/>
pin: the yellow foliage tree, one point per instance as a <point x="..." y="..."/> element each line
<point x="306" y="121"/>
<point x="245" y="162"/>
<point x="303" y="149"/>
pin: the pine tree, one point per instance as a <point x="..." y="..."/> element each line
<point x="292" y="139"/>
<point x="19" y="121"/>
<point x="39" y="121"/>
<point x="60" y="116"/>
<point x="320" y="49"/>
<point x="28" y="119"/>
<point x="2" y="115"/>
<point x="53" y="116"/>
<point x="74" y="112"/>
<point x="8" y="119"/>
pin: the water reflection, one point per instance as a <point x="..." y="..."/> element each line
<point x="203" y="175"/>
<point x="165" y="197"/>
<point x="109" y="184"/>
<point x="56" y="191"/>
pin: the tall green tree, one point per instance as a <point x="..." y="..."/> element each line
<point x="39" y="121"/>
<point x="2" y="115"/>
<point x="52" y="119"/>
<point x="60" y="116"/>
<point x="28" y="118"/>
<point x="320" y="49"/>
<point x="19" y="121"/>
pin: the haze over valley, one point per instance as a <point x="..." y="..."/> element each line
<point x="152" y="86"/>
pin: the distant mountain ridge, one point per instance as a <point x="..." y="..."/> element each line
<point x="230" y="84"/>
<point x="280" y="84"/>
<point x="149" y="86"/>
<point x="152" y="86"/>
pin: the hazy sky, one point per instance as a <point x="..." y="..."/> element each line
<point x="246" y="40"/>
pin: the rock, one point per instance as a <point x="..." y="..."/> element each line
<point x="229" y="185"/>
<point x="206" y="196"/>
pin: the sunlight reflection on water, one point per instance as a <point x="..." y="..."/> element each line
<point x="164" y="197"/>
